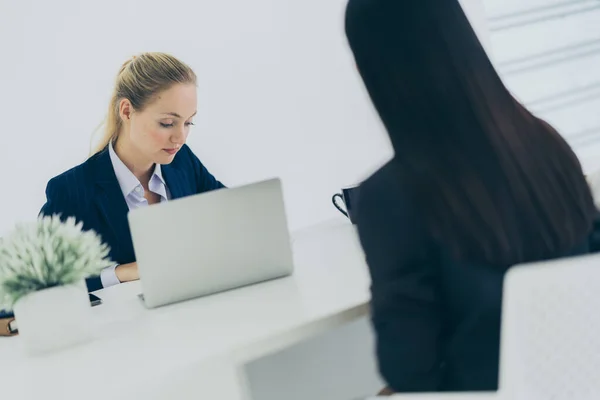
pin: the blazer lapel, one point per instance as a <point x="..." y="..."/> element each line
<point x="177" y="181"/>
<point x="112" y="206"/>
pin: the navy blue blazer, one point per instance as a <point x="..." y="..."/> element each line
<point x="437" y="320"/>
<point x="91" y="193"/>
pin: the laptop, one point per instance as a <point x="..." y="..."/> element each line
<point x="211" y="242"/>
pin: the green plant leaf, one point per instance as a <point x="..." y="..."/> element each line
<point x="47" y="253"/>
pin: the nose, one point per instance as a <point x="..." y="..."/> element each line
<point x="179" y="136"/>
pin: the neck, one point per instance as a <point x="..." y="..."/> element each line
<point x="140" y="166"/>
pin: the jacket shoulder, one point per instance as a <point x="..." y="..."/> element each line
<point x="184" y="157"/>
<point x="72" y="178"/>
<point x="385" y="184"/>
<point x="69" y="193"/>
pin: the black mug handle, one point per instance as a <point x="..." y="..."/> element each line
<point x="340" y="209"/>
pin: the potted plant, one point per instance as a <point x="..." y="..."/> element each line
<point x="43" y="266"/>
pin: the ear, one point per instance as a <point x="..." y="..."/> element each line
<point x="125" y="110"/>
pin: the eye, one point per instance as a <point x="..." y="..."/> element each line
<point x="166" y="125"/>
<point x="189" y="123"/>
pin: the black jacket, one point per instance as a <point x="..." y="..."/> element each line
<point x="90" y="192"/>
<point x="437" y="321"/>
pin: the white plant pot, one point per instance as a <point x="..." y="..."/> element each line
<point x="54" y="318"/>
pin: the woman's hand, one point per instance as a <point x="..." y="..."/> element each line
<point x="127" y="272"/>
<point x="386" y="392"/>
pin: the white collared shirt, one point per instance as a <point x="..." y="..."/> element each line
<point x="133" y="192"/>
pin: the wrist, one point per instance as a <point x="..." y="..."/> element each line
<point x="122" y="271"/>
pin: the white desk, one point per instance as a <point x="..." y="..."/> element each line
<point x="194" y="349"/>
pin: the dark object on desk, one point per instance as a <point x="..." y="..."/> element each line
<point x="8" y="324"/>
<point x="95" y="300"/>
<point x="348" y="197"/>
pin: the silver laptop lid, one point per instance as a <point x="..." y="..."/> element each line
<point x="215" y="241"/>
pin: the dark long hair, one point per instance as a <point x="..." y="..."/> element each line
<point x="495" y="183"/>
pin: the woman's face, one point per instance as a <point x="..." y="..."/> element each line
<point x="162" y="127"/>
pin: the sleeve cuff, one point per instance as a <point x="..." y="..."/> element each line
<point x="108" y="276"/>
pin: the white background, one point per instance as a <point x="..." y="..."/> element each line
<point x="278" y="92"/>
<point x="568" y="32"/>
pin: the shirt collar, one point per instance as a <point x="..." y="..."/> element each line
<point x="127" y="180"/>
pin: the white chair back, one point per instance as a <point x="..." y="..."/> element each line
<point x="550" y="346"/>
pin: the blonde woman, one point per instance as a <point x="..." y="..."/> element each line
<point x="142" y="159"/>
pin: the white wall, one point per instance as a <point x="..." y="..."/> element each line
<point x="278" y="92"/>
<point x="569" y="35"/>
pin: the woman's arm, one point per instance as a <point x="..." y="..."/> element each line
<point x="127" y="272"/>
<point x="405" y="300"/>
<point x="57" y="199"/>
<point x="62" y="198"/>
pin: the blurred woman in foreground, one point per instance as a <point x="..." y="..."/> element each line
<point x="477" y="184"/>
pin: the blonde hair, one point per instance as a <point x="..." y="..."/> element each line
<point x="140" y="80"/>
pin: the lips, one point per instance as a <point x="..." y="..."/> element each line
<point x="171" y="151"/>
